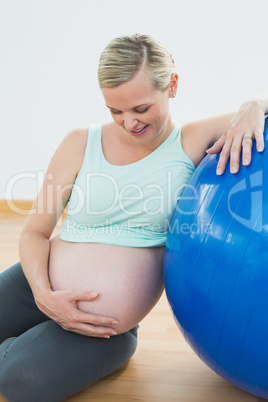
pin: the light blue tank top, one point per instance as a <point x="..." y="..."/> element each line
<point x="128" y="205"/>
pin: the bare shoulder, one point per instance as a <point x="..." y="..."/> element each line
<point x="77" y="138"/>
<point x="198" y="136"/>
<point x="55" y="192"/>
<point x="192" y="143"/>
<point x="67" y="159"/>
<point x="73" y="147"/>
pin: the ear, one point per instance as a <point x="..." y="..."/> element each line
<point x="173" y="86"/>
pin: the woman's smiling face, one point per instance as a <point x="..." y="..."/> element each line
<point x="141" y="110"/>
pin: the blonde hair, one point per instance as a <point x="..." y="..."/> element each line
<point x="124" y="56"/>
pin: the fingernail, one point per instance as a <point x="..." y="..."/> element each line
<point x="233" y="170"/>
<point x="107" y="336"/>
<point x="245" y="162"/>
<point x="260" y="148"/>
<point x="115" y="322"/>
<point x="218" y="171"/>
<point x="93" y="294"/>
<point x="113" y="333"/>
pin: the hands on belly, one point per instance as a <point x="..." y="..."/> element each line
<point x="61" y="306"/>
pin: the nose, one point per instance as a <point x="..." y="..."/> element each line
<point x="130" y="121"/>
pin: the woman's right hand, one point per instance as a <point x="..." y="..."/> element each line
<point x="61" y="307"/>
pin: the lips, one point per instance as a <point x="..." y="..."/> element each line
<point x="140" y="131"/>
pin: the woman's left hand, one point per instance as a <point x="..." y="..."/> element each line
<point x="246" y="125"/>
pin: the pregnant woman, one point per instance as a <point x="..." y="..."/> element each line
<point x="69" y="311"/>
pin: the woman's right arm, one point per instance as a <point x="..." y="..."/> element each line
<point x="61" y="306"/>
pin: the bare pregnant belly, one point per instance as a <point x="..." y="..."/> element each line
<point x="129" y="280"/>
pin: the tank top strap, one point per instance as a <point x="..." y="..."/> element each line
<point x="92" y="152"/>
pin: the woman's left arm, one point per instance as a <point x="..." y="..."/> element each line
<point x="245" y="125"/>
<point x="227" y="132"/>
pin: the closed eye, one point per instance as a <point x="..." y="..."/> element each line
<point x="136" y="110"/>
<point x="143" y="110"/>
<point x="115" y="111"/>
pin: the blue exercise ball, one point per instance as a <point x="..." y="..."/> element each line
<point x="216" y="269"/>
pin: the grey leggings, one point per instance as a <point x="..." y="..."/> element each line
<point x="45" y="362"/>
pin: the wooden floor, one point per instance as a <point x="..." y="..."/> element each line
<point x="163" y="369"/>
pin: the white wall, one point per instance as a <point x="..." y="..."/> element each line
<point x="49" y="53"/>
